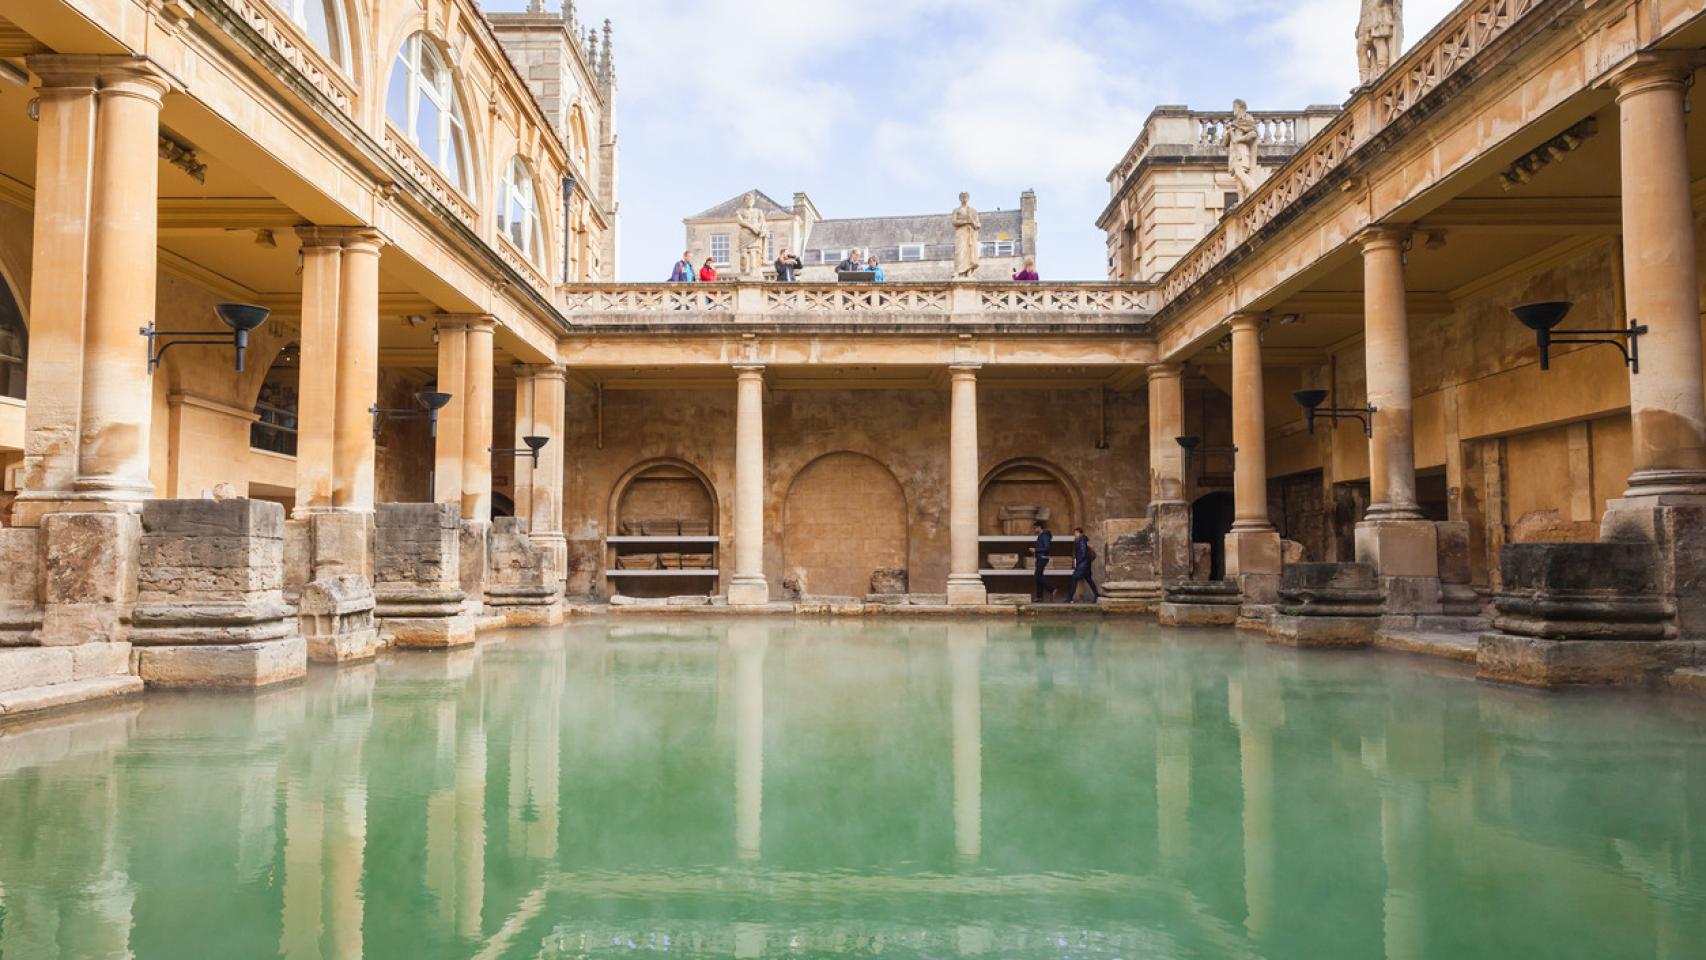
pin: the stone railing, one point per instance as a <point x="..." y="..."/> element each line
<point x="709" y="304"/>
<point x="1471" y="29"/>
<point x="429" y="178"/>
<point x="1207" y="128"/>
<point x="1272" y="129"/>
<point x="275" y="27"/>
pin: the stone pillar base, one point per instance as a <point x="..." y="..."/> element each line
<point x="967" y="591"/>
<point x="1406" y="555"/>
<point x="210" y="605"/>
<point x="1532" y="662"/>
<point x="749" y="591"/>
<point x="1329" y="632"/>
<point x="1327" y="605"/>
<point x="417" y="579"/>
<point x="473" y="542"/>
<point x="20" y="585"/>
<point x="222" y="665"/>
<point x="430" y="632"/>
<point x="1171" y="614"/>
<point x="1676" y="526"/>
<point x="1131" y="596"/>
<point x="89" y="583"/>
<point x="1254" y="559"/>
<point x="336" y="618"/>
<point x="521" y="584"/>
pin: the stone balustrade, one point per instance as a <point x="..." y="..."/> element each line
<point x="1119" y="306"/>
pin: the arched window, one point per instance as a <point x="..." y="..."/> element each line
<point x="579" y="146"/>
<point x="422" y="103"/>
<point x="323" y="21"/>
<point x="274" y="428"/>
<point x="518" y="210"/>
<point x="14" y="345"/>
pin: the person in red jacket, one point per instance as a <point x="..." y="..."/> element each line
<point x="708" y="273"/>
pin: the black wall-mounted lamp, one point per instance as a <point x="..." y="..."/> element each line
<point x="534" y="445"/>
<point x="1311" y="400"/>
<point x="1192" y="444"/>
<point x="240" y="317"/>
<point x="1542" y="317"/>
<point x="431" y="403"/>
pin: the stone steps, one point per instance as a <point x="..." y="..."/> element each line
<point x="26" y="700"/>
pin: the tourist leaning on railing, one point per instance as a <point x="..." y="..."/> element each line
<point x="683" y="272"/>
<point x="876" y="270"/>
<point x="1029" y="273"/>
<point x="708" y="273"/>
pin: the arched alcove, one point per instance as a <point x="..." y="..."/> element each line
<point x="1028" y="482"/>
<point x="843" y="519"/>
<point x="661" y="490"/>
<point x="663" y="531"/>
<point x="276" y="403"/>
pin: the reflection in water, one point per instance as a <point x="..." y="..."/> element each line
<point x="1045" y="790"/>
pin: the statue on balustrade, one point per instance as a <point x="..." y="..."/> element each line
<point x="1242" y="136"/>
<point x="754" y="231"/>
<point x="966" y="226"/>
<point x="1380" y="37"/>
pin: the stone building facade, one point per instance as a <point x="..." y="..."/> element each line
<point x="909" y="247"/>
<point x="392" y="193"/>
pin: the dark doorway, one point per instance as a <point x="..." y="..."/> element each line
<point x="1211" y="520"/>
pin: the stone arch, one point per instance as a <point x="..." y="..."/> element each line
<point x="14" y="339"/>
<point x="844" y="518"/>
<point x="652" y="488"/>
<point x="1029" y="482"/>
<point x="276" y="403"/>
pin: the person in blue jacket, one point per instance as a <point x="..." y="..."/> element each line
<point x="1083" y="556"/>
<point x="878" y="276"/>
<point x="684" y="271"/>
<point x="1045" y="540"/>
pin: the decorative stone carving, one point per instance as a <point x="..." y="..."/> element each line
<point x="1380" y="37"/>
<point x="754" y="231"/>
<point x="210" y="605"/>
<point x="1326" y="605"/>
<point x="417" y="573"/>
<point x="1242" y="136"/>
<point x="967" y="225"/>
<point x="335" y="615"/>
<point x="521" y="582"/>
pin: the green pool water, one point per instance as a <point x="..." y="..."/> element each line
<point x="781" y="789"/>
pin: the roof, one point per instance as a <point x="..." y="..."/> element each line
<point x="728" y="208"/>
<point x="936" y="228"/>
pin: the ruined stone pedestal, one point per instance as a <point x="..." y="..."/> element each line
<point x="1405" y="553"/>
<point x="1131" y="565"/>
<point x="1326" y="605"/>
<point x="1577" y="613"/>
<point x="335" y="615"/>
<point x="1457" y="594"/>
<point x="521" y="582"/>
<point x="210" y="607"/>
<point x="1200" y="603"/>
<point x="473" y="540"/>
<point x="1253" y="561"/>
<point x="417" y="576"/>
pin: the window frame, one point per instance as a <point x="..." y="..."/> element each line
<point x="337" y="25"/>
<point x="518" y="179"/>
<point x="832" y="258"/>
<point x="900" y="252"/>
<point x="452" y="128"/>
<point x="728" y="249"/>
<point x="993" y="249"/>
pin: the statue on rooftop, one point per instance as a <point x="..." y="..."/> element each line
<point x="754" y="231"/>
<point x="967" y="223"/>
<point x="1380" y="37"/>
<point x="1242" y="136"/>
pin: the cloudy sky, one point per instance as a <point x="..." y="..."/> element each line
<point x="894" y="106"/>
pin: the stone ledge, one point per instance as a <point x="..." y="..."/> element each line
<point x="235" y="665"/>
<point x="1532" y="662"/>
<point x="1461" y="647"/>
<point x="1320" y="632"/>
<point x="1172" y="614"/>
<point x="430" y="633"/>
<point x="31" y="700"/>
<point x="1692" y="681"/>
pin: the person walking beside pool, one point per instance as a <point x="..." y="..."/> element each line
<point x="1083" y="556"/>
<point x="1044" y="541"/>
<point x="683" y="272"/>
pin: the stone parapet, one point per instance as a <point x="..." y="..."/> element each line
<point x="417" y="575"/>
<point x="210" y="607"/>
<point x="521" y="580"/>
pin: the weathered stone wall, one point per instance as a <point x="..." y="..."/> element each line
<point x="901" y="432"/>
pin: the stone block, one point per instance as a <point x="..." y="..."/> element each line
<point x="341" y="543"/>
<point x="88" y="576"/>
<point x="1291" y="552"/>
<point x="93" y="660"/>
<point x="20" y="584"/>
<point x="1202" y="562"/>
<point x="473" y="539"/>
<point x="1455" y="552"/>
<point x="1253" y="552"/>
<point x="1676" y="527"/>
<point x="28" y="700"/>
<point x="1534" y="662"/>
<point x="889" y="580"/>
<point x="969" y="592"/>
<point x="22" y="667"/>
<point x="417" y="585"/>
<point x="335" y="616"/>
<point x="521" y="584"/>
<point x="1399" y="548"/>
<point x="1132" y="554"/>
<point x="1196" y="614"/>
<point x="1320" y="631"/>
<point x="230" y="665"/>
<point x="1582" y="591"/>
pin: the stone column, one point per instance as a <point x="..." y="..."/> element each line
<point x="547" y="393"/>
<point x="65" y="165"/>
<point x="452" y="374"/>
<point x="477" y="423"/>
<point x="965" y="586"/>
<point x="1393" y="536"/>
<point x="123" y="239"/>
<point x="358" y="372"/>
<point x="521" y="485"/>
<point x="1253" y="546"/>
<point x="322" y="283"/>
<point x="1667" y="399"/>
<point x="749" y="587"/>
<point x="1169" y="512"/>
<point x="1666" y="500"/>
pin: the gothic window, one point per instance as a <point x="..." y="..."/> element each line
<point x="518" y="210"/>
<point x="422" y="103"/>
<point x="579" y="145"/>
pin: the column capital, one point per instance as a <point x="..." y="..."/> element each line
<point x="471" y="322"/>
<point x="1650" y="70"/>
<point x="749" y="371"/>
<point x="1382" y="237"/>
<point x="964" y="371"/>
<point x="84" y="71"/>
<point x="320" y="237"/>
<point x="542" y="371"/>
<point x="1245" y="322"/>
<point x="1165" y="371"/>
